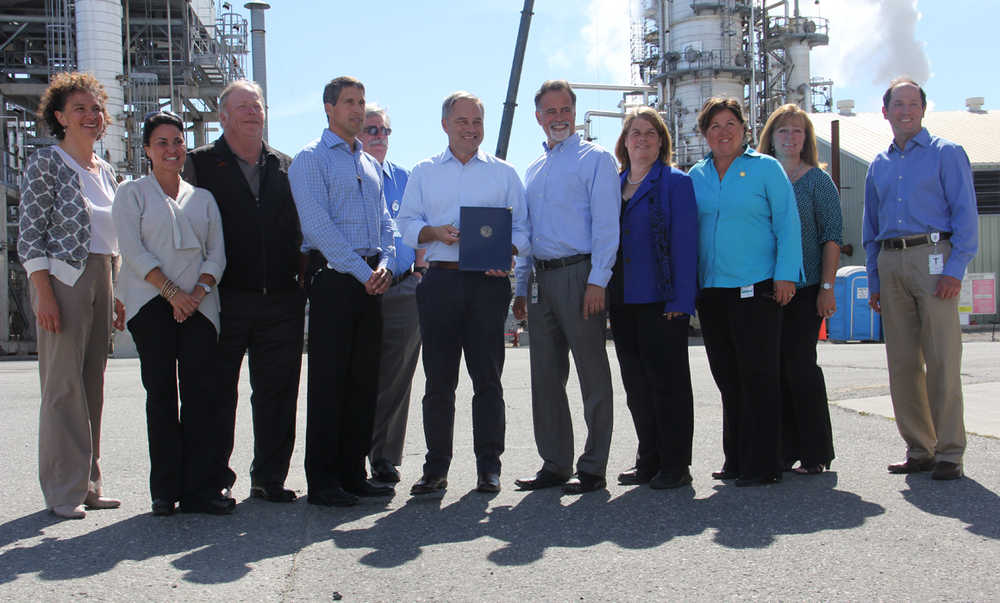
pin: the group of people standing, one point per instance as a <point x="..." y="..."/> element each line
<point x="222" y="245"/>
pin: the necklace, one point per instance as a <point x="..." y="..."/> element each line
<point x="634" y="182"/>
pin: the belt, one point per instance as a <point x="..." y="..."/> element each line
<point x="914" y="241"/>
<point x="317" y="261"/>
<point x="542" y="265"/>
<point x="402" y="277"/>
<point x="445" y="265"/>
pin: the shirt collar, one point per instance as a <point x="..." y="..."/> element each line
<point x="747" y="150"/>
<point x="572" y="139"/>
<point x="449" y="156"/>
<point x="331" y="140"/>
<point x="922" y="138"/>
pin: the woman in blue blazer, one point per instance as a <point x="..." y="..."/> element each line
<point x="652" y="293"/>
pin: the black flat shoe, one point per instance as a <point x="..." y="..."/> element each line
<point x="273" y="493"/>
<point x="542" y="479"/>
<point x="429" y="484"/>
<point x="748" y="482"/>
<point x="584" y="482"/>
<point x="385" y="472"/>
<point x="369" y="490"/>
<point x="332" y="497"/>
<point x="219" y="505"/>
<point x="163" y="507"/>
<point x="488" y="483"/>
<point x="634" y="477"/>
<point x="725" y="474"/>
<point x="665" y="481"/>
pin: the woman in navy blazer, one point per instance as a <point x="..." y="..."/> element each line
<point x="652" y="293"/>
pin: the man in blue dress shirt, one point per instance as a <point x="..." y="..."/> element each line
<point x="400" y="328"/>
<point x="573" y="193"/>
<point x="461" y="311"/>
<point x="920" y="232"/>
<point x="348" y="233"/>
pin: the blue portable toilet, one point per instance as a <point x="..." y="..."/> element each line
<point x="854" y="319"/>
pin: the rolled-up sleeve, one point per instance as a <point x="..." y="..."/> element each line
<point x="126" y="212"/>
<point x="826" y="202"/>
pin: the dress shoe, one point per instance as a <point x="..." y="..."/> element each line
<point x="429" y="484"/>
<point x="95" y="501"/>
<point x="584" y="482"/>
<point x="488" y="482"/>
<point x="69" y="511"/>
<point x="749" y="482"/>
<point x="634" y="477"/>
<point x="912" y="465"/>
<point x="725" y="474"/>
<point x="163" y="507"/>
<point x="334" y="496"/>
<point x="369" y="490"/>
<point x="216" y="505"/>
<point x="946" y="470"/>
<point x="385" y="472"/>
<point x="273" y="493"/>
<point x="668" y="481"/>
<point x="542" y="479"/>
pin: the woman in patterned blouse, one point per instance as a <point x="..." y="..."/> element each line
<point x="68" y="245"/>
<point x="806" y="432"/>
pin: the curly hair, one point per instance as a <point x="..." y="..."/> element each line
<point x="716" y="104"/>
<point x="62" y="86"/>
<point x="781" y="116"/>
<point x="653" y="118"/>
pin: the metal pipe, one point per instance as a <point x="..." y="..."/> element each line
<point x="835" y="152"/>
<point x="259" y="44"/>
<point x="589" y="114"/>
<point x="753" y="74"/>
<point x="507" y="121"/>
<point x="13" y="35"/>
<point x="170" y="57"/>
<point x="614" y="88"/>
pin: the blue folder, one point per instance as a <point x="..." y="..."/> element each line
<point x="485" y="238"/>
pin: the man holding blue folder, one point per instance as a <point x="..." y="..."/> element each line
<point x="461" y="310"/>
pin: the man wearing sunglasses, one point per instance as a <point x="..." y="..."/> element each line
<point x="263" y="305"/>
<point x="400" y="327"/>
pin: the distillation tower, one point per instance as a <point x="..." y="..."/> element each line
<point x="691" y="50"/>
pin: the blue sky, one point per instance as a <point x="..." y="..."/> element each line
<point x="410" y="55"/>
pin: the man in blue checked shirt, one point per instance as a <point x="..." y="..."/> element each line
<point x="461" y="311"/>
<point x="400" y="328"/>
<point x="573" y="193"/>
<point x="348" y="234"/>
<point x="920" y="231"/>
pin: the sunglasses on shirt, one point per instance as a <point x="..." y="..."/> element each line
<point x="374" y="130"/>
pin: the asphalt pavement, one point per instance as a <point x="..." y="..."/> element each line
<point x="852" y="533"/>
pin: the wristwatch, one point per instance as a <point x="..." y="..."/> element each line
<point x="206" y="287"/>
<point x="827" y="286"/>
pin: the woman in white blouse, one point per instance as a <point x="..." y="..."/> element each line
<point x="170" y="235"/>
<point x="67" y="246"/>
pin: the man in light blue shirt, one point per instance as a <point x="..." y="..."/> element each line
<point x="461" y="311"/>
<point x="920" y="231"/>
<point x="348" y="233"/>
<point x="400" y="328"/>
<point x="573" y="193"/>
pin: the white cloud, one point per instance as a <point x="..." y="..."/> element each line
<point x="607" y="35"/>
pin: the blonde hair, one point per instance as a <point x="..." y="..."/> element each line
<point x="781" y="116"/>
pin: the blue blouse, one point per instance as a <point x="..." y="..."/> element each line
<point x="819" y="213"/>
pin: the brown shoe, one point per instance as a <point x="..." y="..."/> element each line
<point x="946" y="470"/>
<point x="95" y="501"/>
<point x="912" y="465"/>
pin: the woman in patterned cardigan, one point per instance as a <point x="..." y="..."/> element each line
<point x="68" y="245"/>
<point x="806" y="432"/>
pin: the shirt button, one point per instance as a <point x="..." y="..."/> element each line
<point x="900" y="177"/>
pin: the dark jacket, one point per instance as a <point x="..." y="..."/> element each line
<point x="659" y="241"/>
<point x="263" y="237"/>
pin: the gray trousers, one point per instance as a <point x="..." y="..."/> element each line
<point x="400" y="350"/>
<point x="556" y="327"/>
<point x="71" y="369"/>
<point x="923" y="346"/>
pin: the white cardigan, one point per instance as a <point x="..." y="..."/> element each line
<point x="182" y="237"/>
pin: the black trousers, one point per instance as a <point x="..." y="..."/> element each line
<point x="345" y="331"/>
<point x="742" y="341"/>
<point x="805" y="416"/>
<point x="463" y="312"/>
<point x="653" y="356"/>
<point x="187" y="460"/>
<point x="269" y="330"/>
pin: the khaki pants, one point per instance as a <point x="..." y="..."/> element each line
<point x="71" y="369"/>
<point x="923" y="344"/>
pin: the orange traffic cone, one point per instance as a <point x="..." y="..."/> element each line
<point x="822" y="330"/>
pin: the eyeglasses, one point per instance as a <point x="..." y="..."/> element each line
<point x="373" y="130"/>
<point x="161" y="112"/>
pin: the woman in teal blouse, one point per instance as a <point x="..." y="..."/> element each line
<point x="806" y="432"/>
<point x="749" y="259"/>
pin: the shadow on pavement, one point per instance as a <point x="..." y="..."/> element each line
<point x="966" y="500"/>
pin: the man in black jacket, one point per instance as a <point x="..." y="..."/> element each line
<point x="263" y="306"/>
